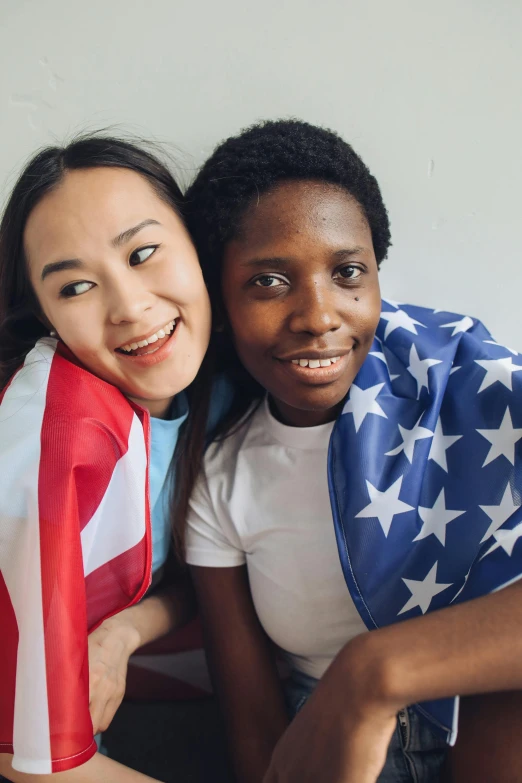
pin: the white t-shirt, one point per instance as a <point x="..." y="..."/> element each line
<point x="262" y="499"/>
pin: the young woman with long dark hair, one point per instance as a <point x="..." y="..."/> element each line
<point x="104" y="323"/>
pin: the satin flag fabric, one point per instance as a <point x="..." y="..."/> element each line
<point x="74" y="547"/>
<point x="425" y="472"/>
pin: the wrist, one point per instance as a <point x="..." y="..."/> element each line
<point x="374" y="674"/>
<point x="123" y="627"/>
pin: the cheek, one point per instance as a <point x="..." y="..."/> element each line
<point x="252" y="328"/>
<point x="367" y="312"/>
<point x="81" y="329"/>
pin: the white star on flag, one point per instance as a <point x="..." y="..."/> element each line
<point x="380" y="355"/>
<point x="436" y="518"/>
<point x="494" y="342"/>
<point x="400" y="319"/>
<point x="419" y="369"/>
<point x="384" y="505"/>
<point x="362" y="402"/>
<point x="423" y="591"/>
<point x="502" y="440"/>
<point x="499" y="514"/>
<point x="505" y="539"/>
<point x="440" y="444"/>
<point x="459" y="326"/>
<point x="500" y="370"/>
<point x="409" y="439"/>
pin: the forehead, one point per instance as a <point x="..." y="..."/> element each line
<point x="306" y="211"/>
<point x="90" y="206"/>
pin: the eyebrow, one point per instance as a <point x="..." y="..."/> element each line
<point x="76" y="263"/>
<point x="281" y="263"/>
<point x="263" y="263"/>
<point x="59" y="266"/>
<point x="126" y="235"/>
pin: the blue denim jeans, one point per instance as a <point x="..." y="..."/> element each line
<point x="415" y="753"/>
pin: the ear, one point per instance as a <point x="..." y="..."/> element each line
<point x="46" y="323"/>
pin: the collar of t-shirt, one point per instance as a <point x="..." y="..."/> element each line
<point x="307" y="438"/>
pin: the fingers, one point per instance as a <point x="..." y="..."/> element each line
<point x="109" y="712"/>
<point x="106" y="697"/>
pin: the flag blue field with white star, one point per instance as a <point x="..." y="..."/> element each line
<point x="425" y="471"/>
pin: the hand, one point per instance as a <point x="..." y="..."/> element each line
<point x="343" y="732"/>
<point x="110" y="647"/>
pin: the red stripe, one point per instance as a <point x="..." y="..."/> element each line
<point x="80" y="445"/>
<point x="8" y="651"/>
<point x="103" y="440"/>
<point x="115" y="584"/>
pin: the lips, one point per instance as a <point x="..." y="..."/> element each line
<point x="140" y="346"/>
<point x="322" y="369"/>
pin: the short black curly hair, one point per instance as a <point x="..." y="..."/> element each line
<point x="245" y="166"/>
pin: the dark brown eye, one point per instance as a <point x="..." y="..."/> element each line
<point x="141" y="255"/>
<point x="350" y="272"/>
<point x="268" y="281"/>
<point x="75" y="289"/>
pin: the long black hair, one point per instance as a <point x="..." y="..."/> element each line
<point x="21" y="319"/>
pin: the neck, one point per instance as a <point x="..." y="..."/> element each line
<point x="158" y="409"/>
<point x="296" y="417"/>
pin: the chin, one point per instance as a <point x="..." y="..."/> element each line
<point x="317" y="402"/>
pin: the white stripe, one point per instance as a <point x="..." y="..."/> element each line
<point x="23" y="407"/>
<point x="118" y="523"/>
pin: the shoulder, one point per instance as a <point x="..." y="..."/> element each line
<point x="57" y="403"/>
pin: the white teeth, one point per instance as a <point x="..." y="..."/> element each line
<point x="167" y="329"/>
<point x="313" y="364"/>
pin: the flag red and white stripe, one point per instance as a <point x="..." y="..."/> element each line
<point x="74" y="547"/>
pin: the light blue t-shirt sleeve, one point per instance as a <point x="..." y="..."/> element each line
<point x="164" y="437"/>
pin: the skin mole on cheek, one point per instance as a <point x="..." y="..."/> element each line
<point x="356" y="298"/>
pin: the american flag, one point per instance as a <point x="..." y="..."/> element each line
<point x="74" y="547"/>
<point x="425" y="472"/>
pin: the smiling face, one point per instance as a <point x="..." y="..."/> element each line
<point x="118" y="278"/>
<point x="301" y="292"/>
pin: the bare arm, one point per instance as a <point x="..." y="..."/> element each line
<point x="112" y="644"/>
<point x="475" y="647"/>
<point x="243" y="669"/>
<point x="472" y="648"/>
<point x="99" y="769"/>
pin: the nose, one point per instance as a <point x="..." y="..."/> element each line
<point x="316" y="310"/>
<point x="128" y="298"/>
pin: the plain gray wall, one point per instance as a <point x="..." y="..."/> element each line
<point x="427" y="92"/>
